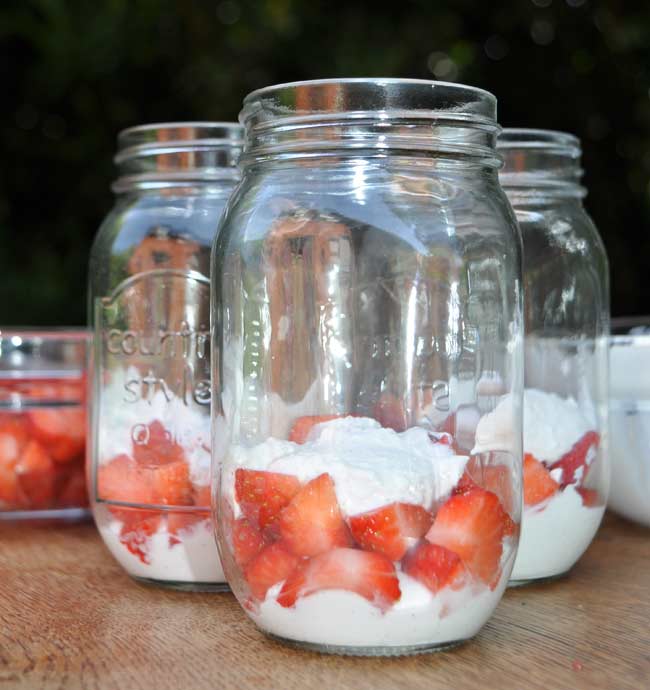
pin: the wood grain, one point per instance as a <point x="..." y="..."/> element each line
<point x="71" y="619"/>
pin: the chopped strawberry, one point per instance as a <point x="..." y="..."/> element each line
<point x="153" y="445"/>
<point x="271" y="565"/>
<point x="123" y="480"/>
<point x="495" y="478"/>
<point x="392" y="529"/>
<point x="580" y="456"/>
<point x="171" y="484"/>
<point x="35" y="472"/>
<point x="368" y="574"/>
<point x="202" y="495"/>
<point x="435" y="567"/>
<point x="312" y="522"/>
<point x="262" y="495"/>
<point x="14" y="425"/>
<point x="74" y="493"/>
<point x="538" y="483"/>
<point x="183" y="520"/>
<point x="137" y="528"/>
<point x="247" y="541"/>
<point x="473" y="524"/>
<point x="303" y="426"/>
<point x="61" y="430"/>
<point x="590" y="497"/>
<point x="391" y="413"/>
<point x="11" y="493"/>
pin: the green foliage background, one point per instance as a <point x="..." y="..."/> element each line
<point x="76" y="72"/>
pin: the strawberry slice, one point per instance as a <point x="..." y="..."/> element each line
<point x="590" y="497"/>
<point x="473" y="524"/>
<point x="202" y="495"/>
<point x="580" y="456"/>
<point x="179" y="521"/>
<point x="390" y="412"/>
<point x="303" y="426"/>
<point x="247" y="541"/>
<point x="171" y="484"/>
<point x="122" y="479"/>
<point x="368" y="574"/>
<point x="35" y="472"/>
<point x="153" y="445"/>
<point x="11" y="493"/>
<point x="137" y="528"/>
<point x="271" y="565"/>
<point x="435" y="567"/>
<point x="392" y="529"/>
<point x="538" y="483"/>
<point x="14" y="425"/>
<point x="312" y="522"/>
<point x="495" y="478"/>
<point x="262" y="495"/>
<point x="74" y="493"/>
<point x="61" y="430"/>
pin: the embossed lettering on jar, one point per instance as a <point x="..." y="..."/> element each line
<point x="149" y="305"/>
<point x="367" y="313"/>
<point x="566" y="297"/>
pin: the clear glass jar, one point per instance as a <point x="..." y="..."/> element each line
<point x="149" y="306"/>
<point x="566" y="311"/>
<point x="367" y="315"/>
<point x="42" y="424"/>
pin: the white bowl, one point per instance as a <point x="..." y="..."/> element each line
<point x="629" y="420"/>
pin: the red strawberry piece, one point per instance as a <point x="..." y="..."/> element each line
<point x="171" y="484"/>
<point x="312" y="522"/>
<point x="247" y="541"/>
<point x="123" y="480"/>
<point x="303" y="426"/>
<point x="271" y="565"/>
<point x="368" y="574"/>
<point x="73" y="493"/>
<point x="15" y="425"/>
<point x="580" y="456"/>
<point x="538" y="483"/>
<point x="495" y="478"/>
<point x="202" y="495"/>
<point x="183" y="521"/>
<point x="590" y="497"/>
<point x="472" y="525"/>
<point x="153" y="445"/>
<point x="61" y="430"/>
<point x="392" y="529"/>
<point x="11" y="493"/>
<point x="137" y="528"/>
<point x="35" y="471"/>
<point x="435" y="567"/>
<point x="391" y="413"/>
<point x="262" y="495"/>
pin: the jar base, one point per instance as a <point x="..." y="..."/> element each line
<point x="184" y="586"/>
<point x="541" y="580"/>
<point x="346" y="650"/>
<point x="57" y="515"/>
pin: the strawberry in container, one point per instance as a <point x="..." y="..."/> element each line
<point x="43" y="424"/>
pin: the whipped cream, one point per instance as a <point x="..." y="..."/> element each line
<point x="419" y="618"/>
<point x="371" y="466"/>
<point x="194" y="560"/>
<point x="554" y="535"/>
<point x="188" y="425"/>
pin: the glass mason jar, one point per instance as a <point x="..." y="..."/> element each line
<point x="43" y="424"/>
<point x="566" y="312"/>
<point x="149" y="306"/>
<point x="367" y="319"/>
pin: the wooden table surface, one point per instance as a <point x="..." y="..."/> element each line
<point x="70" y="618"/>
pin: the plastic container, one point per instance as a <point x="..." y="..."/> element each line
<point x="42" y="424"/>
<point x="367" y="316"/>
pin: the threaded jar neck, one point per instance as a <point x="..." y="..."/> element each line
<point x="177" y="154"/>
<point x="540" y="163"/>
<point x="371" y="117"/>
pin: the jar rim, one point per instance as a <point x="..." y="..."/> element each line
<point x="550" y="140"/>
